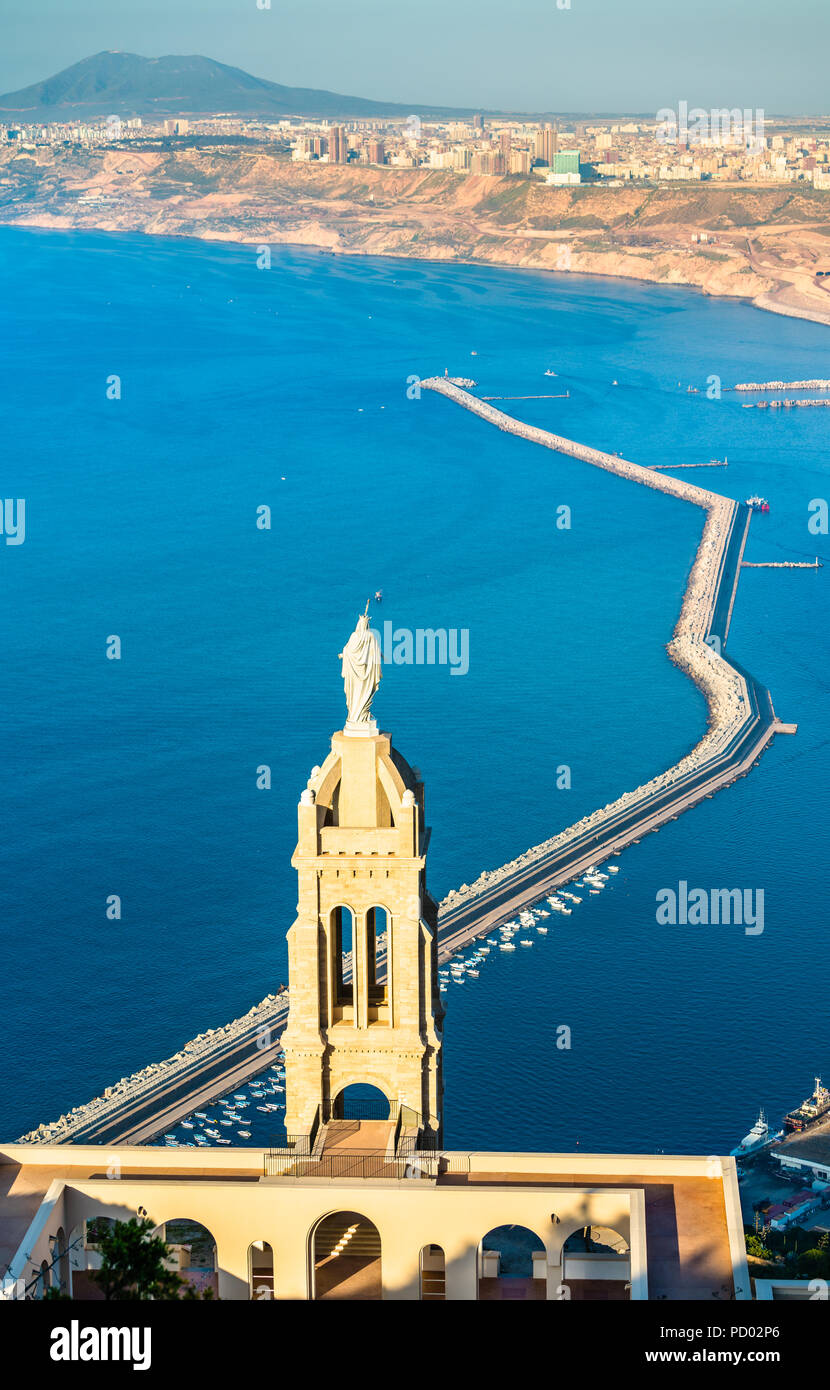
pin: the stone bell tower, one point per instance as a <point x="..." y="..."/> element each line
<point x="362" y="953"/>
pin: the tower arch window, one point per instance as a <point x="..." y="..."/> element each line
<point x="343" y="954"/>
<point x="377" y="954"/>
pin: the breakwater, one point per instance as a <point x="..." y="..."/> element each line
<point x="786" y="404"/>
<point x="815" y="384"/>
<point x="741" y="719"/>
<point x="741" y="724"/>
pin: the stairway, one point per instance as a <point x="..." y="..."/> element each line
<point x="358" y="1239"/>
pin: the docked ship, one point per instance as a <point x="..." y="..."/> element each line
<point x="758" y="504"/>
<point x="810" y="1110"/>
<point x="759" y="1138"/>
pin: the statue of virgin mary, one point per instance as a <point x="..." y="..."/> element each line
<point x="361" y="671"/>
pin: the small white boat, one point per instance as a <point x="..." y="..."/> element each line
<point x="473" y="974"/>
<point x="613" y="868"/>
<point x="187" y="1125"/>
<point x="759" y="1138"/>
<point x="223" y="1141"/>
<point x="224" y="1122"/>
<point x="527" y="942"/>
<point x="200" y="1114"/>
<point x="507" y="946"/>
<point x="542" y="931"/>
<point x="244" y="1133"/>
<point x="595" y="892"/>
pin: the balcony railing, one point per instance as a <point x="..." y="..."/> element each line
<point x="406" y="1164"/>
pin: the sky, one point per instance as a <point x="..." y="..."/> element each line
<point x="529" y="55"/>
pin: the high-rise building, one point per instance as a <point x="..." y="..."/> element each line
<point x="338" y="146"/>
<point x="547" y="144"/>
<point x="375" y="152"/>
<point x="566" y="162"/>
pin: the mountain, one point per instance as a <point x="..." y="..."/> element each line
<point x="125" y="84"/>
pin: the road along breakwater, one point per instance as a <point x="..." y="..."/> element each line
<point x="741" y="717"/>
<point x="741" y="724"/>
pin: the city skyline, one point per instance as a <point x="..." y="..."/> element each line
<point x="594" y="56"/>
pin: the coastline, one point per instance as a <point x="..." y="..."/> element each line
<point x="760" y="246"/>
<point x="764" y="302"/>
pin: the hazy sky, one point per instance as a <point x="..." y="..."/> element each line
<point x="597" y="55"/>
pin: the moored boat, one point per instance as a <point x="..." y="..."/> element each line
<point x="758" y="1138"/>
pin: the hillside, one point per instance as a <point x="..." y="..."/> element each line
<point x="765" y="244"/>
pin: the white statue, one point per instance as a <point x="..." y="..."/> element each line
<point x="361" y="671"/>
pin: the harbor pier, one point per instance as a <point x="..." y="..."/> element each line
<point x="742" y="723"/>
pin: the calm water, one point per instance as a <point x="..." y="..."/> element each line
<point x="287" y="387"/>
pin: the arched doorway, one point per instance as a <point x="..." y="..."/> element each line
<point x="261" y="1270"/>
<point x="512" y="1265"/>
<point x="596" y="1265"/>
<point x="346" y="1258"/>
<point x="361" y="1102"/>
<point x="433" y="1274"/>
<point x="192" y="1254"/>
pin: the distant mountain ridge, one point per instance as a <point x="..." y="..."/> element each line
<point x="127" y="84"/>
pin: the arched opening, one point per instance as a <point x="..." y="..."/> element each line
<point x="84" y="1256"/>
<point x="596" y="1265"/>
<point x="192" y="1254"/>
<point x="377" y="954"/>
<point x="342" y="921"/>
<point x="433" y="1274"/>
<point x="512" y="1265"/>
<point x="60" y="1261"/>
<point x="332" y="816"/>
<point x="361" y="1102"/>
<point x="346" y="1258"/>
<point x="261" y="1269"/>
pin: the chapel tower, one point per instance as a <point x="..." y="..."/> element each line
<point x="363" y="964"/>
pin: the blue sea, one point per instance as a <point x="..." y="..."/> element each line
<point x="243" y="387"/>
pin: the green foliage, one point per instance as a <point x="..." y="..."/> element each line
<point x="757" y="1247"/>
<point x="814" y="1264"/>
<point x="133" y="1263"/>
